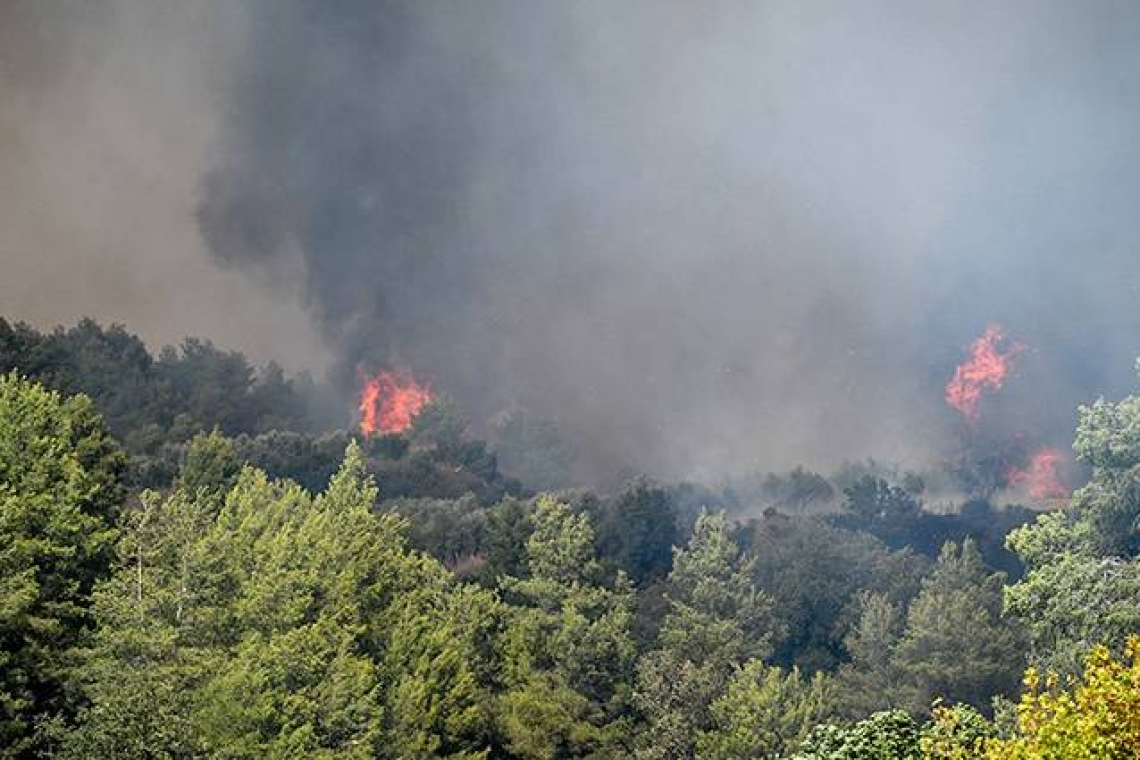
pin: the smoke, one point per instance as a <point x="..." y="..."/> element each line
<point x="107" y="113"/>
<point x="702" y="237"/>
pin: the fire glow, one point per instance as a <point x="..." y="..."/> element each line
<point x="990" y="362"/>
<point x="985" y="370"/>
<point x="1041" y="478"/>
<point x="390" y="401"/>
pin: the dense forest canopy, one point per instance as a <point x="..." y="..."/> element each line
<point x="646" y="379"/>
<point x="190" y="573"/>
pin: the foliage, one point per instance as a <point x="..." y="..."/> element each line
<point x="1083" y="570"/>
<point x="871" y="681"/>
<point x="956" y="644"/>
<point x="815" y="573"/>
<point x="716" y="613"/>
<point x="334" y="638"/>
<point x="451" y="530"/>
<point x="953" y="641"/>
<point x="1094" y="718"/>
<point x="637" y="532"/>
<point x="1108" y="440"/>
<point x="505" y="539"/>
<point x="60" y="489"/>
<point x="765" y="712"/>
<point x="309" y="460"/>
<point x="210" y="467"/>
<point x="797" y="491"/>
<point x="717" y="621"/>
<point x="440" y="424"/>
<point x="568" y="649"/>
<point x="150" y="401"/>
<point x="894" y="514"/>
<point x="1072" y="601"/>
<point x="890" y="735"/>
<point x="957" y="732"/>
<point x="233" y="613"/>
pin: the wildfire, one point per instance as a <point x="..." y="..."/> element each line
<point x="390" y="401"/>
<point x="1041" y="478"/>
<point x="991" y="359"/>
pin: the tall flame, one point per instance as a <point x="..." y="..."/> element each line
<point x="990" y="361"/>
<point x="390" y="401"/>
<point x="1041" y="478"/>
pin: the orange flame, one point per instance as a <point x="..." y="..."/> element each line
<point x="1041" y="478"/>
<point x="991" y="359"/>
<point x="390" y="401"/>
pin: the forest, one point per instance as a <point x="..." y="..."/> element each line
<point x="514" y="380"/>
<point x="192" y="564"/>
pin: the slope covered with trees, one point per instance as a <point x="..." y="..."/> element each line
<point x="244" y="585"/>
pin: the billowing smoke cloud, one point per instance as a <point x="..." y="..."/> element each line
<point x="706" y="236"/>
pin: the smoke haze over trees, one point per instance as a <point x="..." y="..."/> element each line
<point x="229" y="609"/>
<point x="651" y="380"/>
<point x="698" y="237"/>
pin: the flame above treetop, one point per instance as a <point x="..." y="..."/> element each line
<point x="990" y="361"/>
<point x="390" y="401"/>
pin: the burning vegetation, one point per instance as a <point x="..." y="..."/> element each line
<point x="1041" y="477"/>
<point x="989" y="364"/>
<point x="808" y="581"/>
<point x="390" y="401"/>
<point x="627" y="423"/>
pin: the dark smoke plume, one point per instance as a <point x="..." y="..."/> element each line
<point x="704" y="237"/>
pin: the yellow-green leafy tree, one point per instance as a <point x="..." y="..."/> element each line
<point x="1094" y="718"/>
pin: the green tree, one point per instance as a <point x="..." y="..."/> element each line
<point x="109" y="365"/>
<point x="505" y="538"/>
<point x="765" y="712"/>
<point x="872" y="680"/>
<point x="797" y="490"/>
<point x="451" y="530"/>
<point x="441" y="423"/>
<point x="953" y="642"/>
<point x="957" y="644"/>
<point x="284" y="625"/>
<point x="717" y="620"/>
<point x="1108" y="440"/>
<point x="1083" y="572"/>
<point x="1094" y="718"/>
<point x="957" y="732"/>
<point x="1069" y="600"/>
<point x="568" y="651"/>
<point x="816" y="574"/>
<point x="60" y="488"/>
<point x="873" y="499"/>
<point x="717" y="615"/>
<point x="440" y="667"/>
<point x="637" y="532"/>
<point x="210" y="466"/>
<point x="889" y="735"/>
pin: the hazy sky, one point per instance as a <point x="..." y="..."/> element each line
<point x="704" y="237"/>
<point x="107" y="114"/>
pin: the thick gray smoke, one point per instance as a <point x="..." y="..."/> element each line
<point x="702" y="236"/>
<point x="108" y="110"/>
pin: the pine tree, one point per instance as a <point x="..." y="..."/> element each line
<point x="569" y="650"/>
<point x="717" y="620"/>
<point x="957" y="644"/>
<point x="60" y="488"/>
